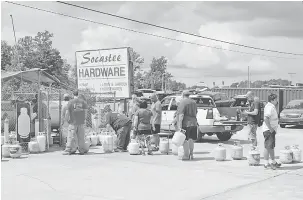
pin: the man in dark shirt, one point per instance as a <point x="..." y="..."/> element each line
<point x="187" y="116"/>
<point x="76" y="112"/>
<point x="252" y="118"/>
<point x="121" y="124"/>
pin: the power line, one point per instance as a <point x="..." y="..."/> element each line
<point x="178" y="31"/>
<point x="150" y="34"/>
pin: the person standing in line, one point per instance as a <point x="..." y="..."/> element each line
<point x="156" y="109"/>
<point x="64" y="122"/>
<point x="133" y="106"/>
<point x="252" y="117"/>
<point x="143" y="127"/>
<point x="121" y="125"/>
<point x="77" y="111"/>
<point x="187" y="116"/>
<point x="270" y="127"/>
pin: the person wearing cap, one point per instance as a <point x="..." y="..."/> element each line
<point x="64" y="119"/>
<point x="253" y="117"/>
<point x="187" y="120"/>
<point x="156" y="109"/>
<point x="76" y="112"/>
<point x="121" y="125"/>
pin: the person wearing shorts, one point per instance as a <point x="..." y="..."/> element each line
<point x="252" y="118"/>
<point x="270" y="127"/>
<point x="187" y="120"/>
<point x="156" y="109"/>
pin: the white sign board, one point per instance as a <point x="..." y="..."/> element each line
<point x="104" y="70"/>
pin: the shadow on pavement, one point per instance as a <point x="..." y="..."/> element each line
<point x="4" y="160"/>
<point x="230" y="142"/>
<point x="276" y="157"/>
<point x="294" y="127"/>
<point x="204" y="158"/>
<point x="200" y="152"/>
<point x="52" y="149"/>
<point x="289" y="167"/>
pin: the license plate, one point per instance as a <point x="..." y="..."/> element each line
<point x="227" y="128"/>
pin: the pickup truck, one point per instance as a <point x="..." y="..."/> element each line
<point x="221" y="99"/>
<point x="210" y="120"/>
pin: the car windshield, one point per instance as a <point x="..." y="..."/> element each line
<point x="295" y="105"/>
<point x="203" y="102"/>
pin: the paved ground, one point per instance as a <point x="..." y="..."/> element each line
<point x="116" y="176"/>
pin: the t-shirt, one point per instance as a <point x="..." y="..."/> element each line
<point x="253" y="119"/>
<point x="270" y="111"/>
<point x="188" y="107"/>
<point x="144" y="118"/>
<point x="156" y="109"/>
<point x="116" y="120"/>
<point x="132" y="109"/>
<point x="76" y="108"/>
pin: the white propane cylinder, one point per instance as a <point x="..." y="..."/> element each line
<point x="164" y="146"/>
<point x="94" y="139"/>
<point x="179" y="138"/>
<point x="174" y="149"/>
<point x="5" y="151"/>
<point x="41" y="139"/>
<point x="134" y="148"/>
<point x="23" y="123"/>
<point x="108" y="144"/>
<point x="115" y="138"/>
<point x="33" y="147"/>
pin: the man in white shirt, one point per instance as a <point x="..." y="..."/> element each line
<point x="269" y="131"/>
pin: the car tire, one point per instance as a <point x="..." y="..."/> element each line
<point x="225" y="136"/>
<point x="282" y="125"/>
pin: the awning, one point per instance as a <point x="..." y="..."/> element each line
<point x="31" y="75"/>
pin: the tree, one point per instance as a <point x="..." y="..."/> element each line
<point x="136" y="58"/>
<point x="6" y="54"/>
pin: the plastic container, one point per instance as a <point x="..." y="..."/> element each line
<point x="108" y="144"/>
<point x="134" y="147"/>
<point x="286" y="155"/>
<point x="164" y="146"/>
<point x="254" y="156"/>
<point x="237" y="151"/>
<point x="41" y="139"/>
<point x="296" y="154"/>
<point x="15" y="150"/>
<point x="220" y="152"/>
<point x="179" y="138"/>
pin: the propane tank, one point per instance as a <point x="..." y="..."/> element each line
<point x="5" y="150"/>
<point x="108" y="144"/>
<point x="254" y="156"/>
<point x="220" y="152"/>
<point x="94" y="139"/>
<point x="33" y="146"/>
<point x="237" y="151"/>
<point x="296" y="153"/>
<point x="15" y="150"/>
<point x="183" y="151"/>
<point x="179" y="138"/>
<point x="41" y="139"/>
<point x="115" y="138"/>
<point x="134" y="147"/>
<point x="174" y="149"/>
<point x="163" y="146"/>
<point x="286" y="155"/>
<point x="23" y="123"/>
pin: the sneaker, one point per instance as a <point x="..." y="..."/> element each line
<point x="66" y="153"/>
<point x="277" y="165"/>
<point x="120" y="150"/>
<point x="270" y="166"/>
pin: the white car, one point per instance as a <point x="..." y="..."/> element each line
<point x="209" y="118"/>
<point x="147" y="92"/>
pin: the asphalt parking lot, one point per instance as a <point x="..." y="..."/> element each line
<point x="117" y="176"/>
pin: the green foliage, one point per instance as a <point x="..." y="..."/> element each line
<point x="259" y="84"/>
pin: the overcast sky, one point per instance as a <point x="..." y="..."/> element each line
<point x="270" y="25"/>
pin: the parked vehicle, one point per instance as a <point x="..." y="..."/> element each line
<point x="292" y="114"/>
<point x="221" y="99"/>
<point x="147" y="92"/>
<point x="210" y="120"/>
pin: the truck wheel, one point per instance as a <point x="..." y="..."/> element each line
<point x="282" y="125"/>
<point x="224" y="136"/>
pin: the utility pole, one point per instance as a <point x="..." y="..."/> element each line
<point x="248" y="84"/>
<point x="15" y="38"/>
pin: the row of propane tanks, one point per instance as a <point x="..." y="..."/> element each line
<point x="12" y="148"/>
<point x="287" y="155"/>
